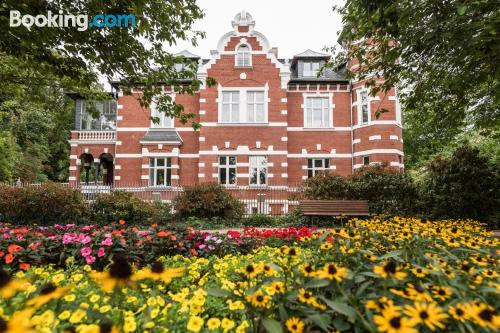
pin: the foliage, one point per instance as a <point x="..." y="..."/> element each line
<point x="207" y="200"/>
<point x="121" y="205"/>
<point x="259" y="220"/>
<point x="443" y="56"/>
<point x="367" y="277"/>
<point x="46" y="204"/>
<point x="462" y="185"/>
<point x="387" y="191"/>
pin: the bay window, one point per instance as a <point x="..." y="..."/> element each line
<point x="310" y="69"/>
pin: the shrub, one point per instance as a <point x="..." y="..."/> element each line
<point x="260" y="220"/>
<point x="208" y="201"/>
<point x="46" y="204"/>
<point x="463" y="185"/>
<point x="327" y="186"/>
<point x="387" y="191"/>
<point x="124" y="205"/>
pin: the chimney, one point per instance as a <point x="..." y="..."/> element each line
<point x="274" y="50"/>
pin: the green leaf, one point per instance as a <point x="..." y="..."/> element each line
<point x="323" y="321"/>
<point x="217" y="292"/>
<point x="341" y="308"/>
<point x="271" y="325"/>
<point x="317" y="283"/>
<point x="391" y="254"/>
<point x="461" y="9"/>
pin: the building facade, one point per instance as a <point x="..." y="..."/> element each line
<point x="269" y="122"/>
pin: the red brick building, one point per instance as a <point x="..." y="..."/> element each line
<point x="268" y="122"/>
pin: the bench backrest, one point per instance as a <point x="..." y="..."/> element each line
<point x="334" y="207"/>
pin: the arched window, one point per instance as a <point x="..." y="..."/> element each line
<point x="243" y="56"/>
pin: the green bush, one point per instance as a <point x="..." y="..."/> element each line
<point x="49" y="203"/>
<point x="327" y="186"/>
<point x="464" y="185"/>
<point x="388" y="191"/>
<point x="121" y="205"/>
<point x="259" y="220"/>
<point x="208" y="200"/>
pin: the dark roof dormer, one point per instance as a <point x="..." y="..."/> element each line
<point x="305" y="67"/>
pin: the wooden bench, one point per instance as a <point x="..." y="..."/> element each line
<point x="334" y="208"/>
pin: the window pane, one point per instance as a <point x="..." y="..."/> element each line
<point x="232" y="160"/>
<point x="253" y="176"/>
<point x="232" y="175"/>
<point x="260" y="114"/>
<point x="169" y="177"/>
<point x="310" y="173"/>
<point x="327" y="163"/>
<point x="160" y="162"/>
<point x="160" y="177"/>
<point x="222" y="175"/>
<point x="260" y="96"/>
<point x="151" y="162"/>
<point x="317" y="118"/>
<point x="309" y="163"/>
<point x="317" y="102"/>
<point x="235" y="113"/>
<point x="222" y="160"/>
<point x="152" y="177"/>
<point x="263" y="160"/>
<point x="169" y="162"/>
<point x="318" y="163"/>
<point x="262" y="176"/>
<point x="226" y="96"/>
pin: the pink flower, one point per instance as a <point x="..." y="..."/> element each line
<point x="90" y="259"/>
<point x="107" y="242"/>
<point x="6" y="235"/>
<point x="67" y="239"/>
<point x="101" y="252"/>
<point x="85" y="251"/>
<point x="86" y="240"/>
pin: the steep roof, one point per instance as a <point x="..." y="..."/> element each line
<point x="187" y="54"/>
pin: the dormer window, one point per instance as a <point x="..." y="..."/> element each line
<point x="243" y="56"/>
<point x="311" y="69"/>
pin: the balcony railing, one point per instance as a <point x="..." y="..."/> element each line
<point x="97" y="135"/>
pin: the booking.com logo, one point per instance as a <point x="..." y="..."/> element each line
<point x="81" y="21"/>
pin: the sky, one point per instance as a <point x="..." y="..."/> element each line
<point x="293" y="26"/>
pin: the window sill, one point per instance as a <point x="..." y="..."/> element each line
<point x="242" y="124"/>
<point x="318" y="128"/>
<point x="243" y="67"/>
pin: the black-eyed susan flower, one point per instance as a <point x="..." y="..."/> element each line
<point x="441" y="293"/>
<point x="251" y="271"/>
<point x="19" y="322"/>
<point x="419" y="272"/>
<point x="389" y="270"/>
<point x="429" y="314"/>
<point x="119" y="274"/>
<point x="8" y="285"/>
<point x="458" y="312"/>
<point x="276" y="287"/>
<point x="333" y="272"/>
<point x="307" y="269"/>
<point x="295" y="325"/>
<point x="391" y="321"/>
<point x="305" y="296"/>
<point x="381" y="304"/>
<point x="258" y="299"/>
<point x="484" y="315"/>
<point x="157" y="272"/>
<point x="47" y="293"/>
<point x="490" y="274"/>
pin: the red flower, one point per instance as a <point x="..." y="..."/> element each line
<point x="9" y="258"/>
<point x="24" y="266"/>
<point x="122" y="222"/>
<point x="13" y="248"/>
<point x="1" y="254"/>
<point x="163" y="234"/>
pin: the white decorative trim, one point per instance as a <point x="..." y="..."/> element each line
<point x="284" y="112"/>
<point x="118" y="167"/>
<point x="119" y="117"/>
<point x="201" y="175"/>
<point x="132" y="129"/>
<point x="374" y="137"/>
<point x="201" y="165"/>
<point x="202" y="112"/>
<point x="321" y="129"/>
<point x="72" y="168"/>
<point x="118" y="177"/>
<point x="144" y="177"/>
<point x="284" y="175"/>
<point x="318" y="146"/>
<point x="378" y="122"/>
<point x="201" y="139"/>
<point x="284" y="100"/>
<point x="355" y="141"/>
<point x="215" y="175"/>
<point x="73" y="157"/>
<point x="119" y="106"/>
<point x="284" y="164"/>
<point x="284" y="138"/>
<point x="379" y="151"/>
<point x="203" y="100"/>
<point x="175" y="176"/>
<point x="144" y="166"/>
<point x="394" y="137"/>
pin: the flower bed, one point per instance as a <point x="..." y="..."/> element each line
<point x="23" y="247"/>
<point x="398" y="275"/>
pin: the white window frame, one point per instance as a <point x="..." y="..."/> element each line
<point x="360" y="107"/>
<point x="363" y="160"/>
<point x="227" y="166"/>
<point x="330" y="108"/>
<point x="243" y="103"/>
<point x="153" y="171"/>
<point x="165" y="122"/>
<point x="315" y="170"/>
<point x="245" y="53"/>
<point x="312" y="72"/>
<point x="255" y="162"/>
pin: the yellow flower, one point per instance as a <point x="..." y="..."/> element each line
<point x="8" y="285"/>
<point x="48" y="292"/>
<point x="129" y="324"/>
<point x="419" y="272"/>
<point x="94" y="298"/>
<point x="306" y="296"/>
<point x="213" y="323"/>
<point x="258" y="299"/>
<point x="242" y="327"/>
<point x="251" y="271"/>
<point x="485" y="316"/>
<point x="429" y="314"/>
<point x="77" y="316"/>
<point x="295" y="325"/>
<point x="389" y="270"/>
<point x="227" y="324"/>
<point x="441" y="293"/>
<point x="19" y="322"/>
<point x="69" y="298"/>
<point x="104" y="308"/>
<point x="195" y="324"/>
<point x="392" y="322"/>
<point x="458" y="312"/>
<point x="236" y="305"/>
<point x="158" y="273"/>
<point x="64" y="315"/>
<point x="332" y="272"/>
